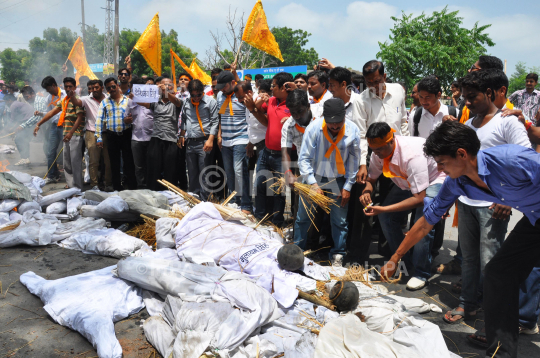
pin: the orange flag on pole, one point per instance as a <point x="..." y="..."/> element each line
<point x="201" y="75"/>
<point x="77" y="56"/>
<point x="173" y="57"/>
<point x="257" y="33"/>
<point x="149" y="45"/>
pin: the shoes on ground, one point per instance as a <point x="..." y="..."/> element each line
<point x="23" y="162"/>
<point x="524" y="330"/>
<point x="337" y="260"/>
<point x="51" y="181"/>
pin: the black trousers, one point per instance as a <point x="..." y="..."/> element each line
<point x="503" y="276"/>
<point x="180" y="177"/>
<point x="120" y="146"/>
<point x="162" y="163"/>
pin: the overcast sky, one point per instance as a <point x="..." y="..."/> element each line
<point x="346" y="32"/>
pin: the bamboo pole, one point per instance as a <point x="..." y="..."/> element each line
<point x="316" y="300"/>
<point x="53" y="163"/>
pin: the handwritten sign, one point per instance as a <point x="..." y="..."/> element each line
<point x="145" y="93"/>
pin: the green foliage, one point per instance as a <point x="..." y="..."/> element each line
<point x="436" y="44"/>
<point x="517" y="80"/>
<point x="128" y="39"/>
<point x="292" y="45"/>
<point x="15" y="64"/>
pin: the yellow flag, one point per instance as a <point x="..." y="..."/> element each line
<point x="77" y="56"/>
<point x="149" y="45"/>
<point x="175" y="56"/>
<point x="257" y="33"/>
<point x="201" y="75"/>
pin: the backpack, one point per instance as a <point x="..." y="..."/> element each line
<point x="418" y="114"/>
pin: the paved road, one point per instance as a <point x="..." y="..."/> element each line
<point x="23" y="320"/>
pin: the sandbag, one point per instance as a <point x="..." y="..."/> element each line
<point x="61" y="195"/>
<point x="160" y="335"/>
<point x="9" y="204"/>
<point x="35" y="229"/>
<point x="104" y="242"/>
<point x="24" y="178"/>
<point x="11" y="188"/>
<point x="113" y="205"/>
<point x="4" y="218"/>
<point x="165" y="230"/>
<point x="65" y="230"/>
<point x="15" y="216"/>
<point x="28" y="205"/>
<point x="57" y="208"/>
<point x="74" y="205"/>
<point x="91" y="212"/>
<point x="88" y="303"/>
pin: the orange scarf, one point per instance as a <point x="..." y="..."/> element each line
<point x="386" y="167"/>
<point x="65" y="103"/>
<point x="228" y="102"/>
<point x="333" y="146"/>
<point x="55" y="101"/>
<point x="465" y="114"/>
<point x="318" y="100"/>
<point x="300" y="129"/>
<point x="196" y="105"/>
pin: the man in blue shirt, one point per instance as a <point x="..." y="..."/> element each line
<point x="507" y="175"/>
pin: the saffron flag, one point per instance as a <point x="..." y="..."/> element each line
<point x="149" y="45"/>
<point x="173" y="57"/>
<point x="77" y="56"/>
<point x="257" y="33"/>
<point x="201" y="75"/>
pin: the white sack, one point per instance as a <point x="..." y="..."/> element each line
<point x="8" y="204"/>
<point x="61" y="195"/>
<point x="65" y="230"/>
<point x="165" y="230"/>
<point x="36" y="229"/>
<point x="15" y="216"/>
<point x="28" y="205"/>
<point x="57" y="208"/>
<point x="160" y="335"/>
<point x="24" y="178"/>
<point x="90" y="211"/>
<point x="104" y="242"/>
<point x="113" y="205"/>
<point x="4" y="218"/>
<point x="74" y="205"/>
<point x="240" y="248"/>
<point x="88" y="303"/>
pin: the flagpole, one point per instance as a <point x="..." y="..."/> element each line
<point x="125" y="60"/>
<point x="238" y="52"/>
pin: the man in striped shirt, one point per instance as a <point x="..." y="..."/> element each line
<point x="330" y="156"/>
<point x="113" y="121"/>
<point x="233" y="139"/>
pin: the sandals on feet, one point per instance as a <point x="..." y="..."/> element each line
<point x="450" y="268"/>
<point x="473" y="338"/>
<point x="464" y="316"/>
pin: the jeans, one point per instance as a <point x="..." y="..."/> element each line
<point x="338" y="220"/>
<point x="529" y="299"/>
<point x="480" y="237"/>
<point x="419" y="258"/>
<point x="73" y="162"/>
<point x="162" y="162"/>
<point x="235" y="163"/>
<point x="266" y="201"/>
<point x="56" y="135"/>
<point x="139" y="150"/>
<point x="503" y="276"/>
<point x="22" y="141"/>
<point x="197" y="160"/>
<point x="119" y="147"/>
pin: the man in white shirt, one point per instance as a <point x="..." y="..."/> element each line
<point x="384" y="102"/>
<point x="431" y="111"/>
<point x="318" y="90"/>
<point x="91" y="104"/>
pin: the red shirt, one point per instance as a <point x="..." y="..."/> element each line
<point x="276" y="112"/>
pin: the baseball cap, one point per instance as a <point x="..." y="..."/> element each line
<point x="223" y="78"/>
<point x="334" y="110"/>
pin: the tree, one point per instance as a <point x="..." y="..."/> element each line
<point x="128" y="39"/>
<point x="291" y="43"/>
<point x="15" y="64"/>
<point x="436" y="44"/>
<point x="517" y="80"/>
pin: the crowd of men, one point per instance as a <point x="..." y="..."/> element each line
<point x="338" y="132"/>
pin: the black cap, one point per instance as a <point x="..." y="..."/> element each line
<point x="223" y="78"/>
<point x="334" y="110"/>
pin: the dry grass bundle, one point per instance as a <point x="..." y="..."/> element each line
<point x="177" y="213"/>
<point x="307" y="193"/>
<point x="11" y="226"/>
<point x="226" y="212"/>
<point x="146" y="232"/>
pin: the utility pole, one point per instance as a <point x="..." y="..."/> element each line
<point x="83" y="24"/>
<point x="108" y="46"/>
<point x="116" y="37"/>
<point x="505" y="66"/>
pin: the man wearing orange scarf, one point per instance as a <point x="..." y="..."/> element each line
<point x="328" y="161"/>
<point x="199" y="127"/>
<point x="415" y="177"/>
<point x="317" y="85"/>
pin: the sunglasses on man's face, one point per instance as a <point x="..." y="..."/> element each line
<point x="124" y="74"/>
<point x="197" y="95"/>
<point x="111" y="88"/>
